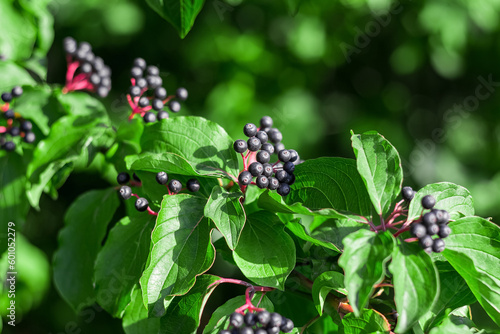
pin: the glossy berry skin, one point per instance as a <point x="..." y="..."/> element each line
<point x="273" y="183"/>
<point x="160" y="93"/>
<point x="279" y="147"/>
<point x="262" y="136"/>
<point x="276" y="320"/>
<point x="141" y="83"/>
<point x="256" y="168"/>
<point x="26" y="126"/>
<point x="193" y="185"/>
<point x="407" y="193"/>
<point x="442" y="216"/>
<point x="17" y="91"/>
<point x="125" y="192"/>
<point x="162" y="114"/>
<point x="262" y="182"/>
<point x="290" y="180"/>
<point x="244" y="178"/>
<point x="141" y="204"/>
<point x="149" y="117"/>
<point x="432" y="229"/>
<point x="250" y="319"/>
<point x="224" y="332"/>
<point x="250" y="130"/>
<point x="29" y="137"/>
<point x="260" y="331"/>
<point x="266" y="122"/>
<point x="418" y="230"/>
<point x="426" y="241"/>
<point x="236" y="319"/>
<point x="428" y="202"/>
<point x="123" y="178"/>
<point x="143" y="102"/>
<point x="284" y="155"/>
<point x="263" y="157"/>
<point x="444" y="231"/>
<point x="263" y="317"/>
<point x="141" y="63"/>
<point x="152" y="70"/>
<point x="281" y="175"/>
<point x="267" y="147"/>
<point x="102" y="91"/>
<point x="268" y="170"/>
<point x="293" y="155"/>
<point x="9" y="146"/>
<point x="287" y="325"/>
<point x="429" y="218"/>
<point x="157" y="104"/>
<point x="162" y="178"/>
<point x="175" y="186"/>
<point x="240" y="146"/>
<point x="9" y="114"/>
<point x="438" y="245"/>
<point x="284" y="189"/>
<point x="136" y="72"/>
<point x="254" y="144"/>
<point x="289" y="167"/>
<point x="273" y="330"/>
<point x="275" y="136"/>
<point x="14" y="131"/>
<point x="6" y="97"/>
<point x="174" y="106"/>
<point x="181" y="93"/>
<point x="246" y="330"/>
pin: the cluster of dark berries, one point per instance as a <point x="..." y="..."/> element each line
<point x="15" y="124"/>
<point x="277" y="176"/>
<point x="141" y="204"/>
<point x="85" y="71"/>
<point x="175" y="186"/>
<point x="261" y="322"/>
<point x="433" y="223"/>
<point x="147" y="93"/>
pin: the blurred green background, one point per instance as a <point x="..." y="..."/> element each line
<point x="424" y="74"/>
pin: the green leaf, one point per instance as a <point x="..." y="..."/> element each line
<point x="323" y="284"/>
<point x="449" y="196"/>
<point x="334" y="231"/>
<point x="473" y="249"/>
<point x="81" y="103"/>
<point x="364" y="258"/>
<point x="184" y="313"/>
<point x="181" y="248"/>
<point x="86" y="223"/>
<point x="448" y="327"/>
<point x="265" y="253"/>
<point x="324" y="183"/>
<point x="220" y="317"/>
<point x="160" y="162"/>
<point x="227" y="213"/>
<point x="135" y="319"/>
<point x="369" y="321"/>
<point x="12" y="74"/>
<point x="179" y="13"/>
<point x="379" y="165"/>
<point x="202" y="143"/>
<point x="13" y="203"/>
<point x="121" y="261"/>
<point x="299" y="230"/>
<point x="454" y="294"/>
<point x="17" y="34"/>
<point x="416" y="283"/>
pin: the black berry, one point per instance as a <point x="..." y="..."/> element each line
<point x="432" y="229"/>
<point x="26" y="126"/>
<point x="141" y="63"/>
<point x="15" y="131"/>
<point x="291" y="179"/>
<point x="268" y="147"/>
<point x="284" y="189"/>
<point x="240" y="146"/>
<point x="29" y="137"/>
<point x="293" y="155"/>
<point x="260" y="331"/>
<point x="262" y="182"/>
<point x="175" y="186"/>
<point x="287" y="325"/>
<point x="246" y="330"/>
<point x="123" y="178"/>
<point x="245" y="178"/>
<point x="281" y="175"/>
<point x="268" y="170"/>
<point x="266" y="122"/>
<point x="273" y="183"/>
<point x="162" y="178"/>
<point x="136" y="72"/>
<point x="154" y="81"/>
<point x="444" y="231"/>
<point x="236" y="319"/>
<point x="254" y="144"/>
<point x="162" y="115"/>
<point x="95" y="79"/>
<point x="428" y="202"/>
<point x="7" y="97"/>
<point x="262" y="136"/>
<point x="407" y="194"/>
<point x="250" y="130"/>
<point x="224" y="332"/>
<point x="273" y="330"/>
<point x="284" y="155"/>
<point x="429" y="218"/>
<point x="438" y="245"/>
<point x="9" y="114"/>
<point x="141" y="83"/>
<point x="70" y="45"/>
<point x="256" y="168"/>
<point x="263" y="157"/>
<point x="141" y="204"/>
<point x="102" y="91"/>
<point x="276" y="320"/>
<point x="181" y="94"/>
<point x="125" y="192"/>
<point x="275" y="136"/>
<point x="418" y="230"/>
<point x="143" y="102"/>
<point x="157" y="104"/>
<point x="263" y="317"/>
<point x="17" y="91"/>
<point x="160" y="93"/>
<point x="174" y="106"/>
<point x="9" y="146"/>
<point x="279" y="147"/>
<point x="149" y="117"/>
<point x="193" y="185"/>
<point x="426" y="241"/>
<point x="152" y="70"/>
<point x="289" y="167"/>
<point x="442" y="216"/>
<point x="250" y="319"/>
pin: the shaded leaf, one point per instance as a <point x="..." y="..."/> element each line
<point x="369" y="321"/>
<point x="299" y="230"/>
<point x="180" y="13"/>
<point x="323" y="284"/>
<point x="12" y="74"/>
<point x="135" y="319"/>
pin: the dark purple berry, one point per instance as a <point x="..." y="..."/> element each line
<point x="262" y="136"/>
<point x="181" y="94"/>
<point x="279" y="147"/>
<point x="281" y="175"/>
<point x="284" y="155"/>
<point x="254" y="144"/>
<point x="125" y="192"/>
<point x="287" y="325"/>
<point x="444" y="231"/>
<point x="160" y="93"/>
<point x="273" y="183"/>
<point x="152" y="70"/>
<point x="141" y="63"/>
<point x="162" y="114"/>
<point x="438" y="245"/>
<point x="17" y="91"/>
<point x="174" y="106"/>
<point x="266" y="122"/>
<point x="143" y="102"/>
<point x="9" y="146"/>
<point x="175" y="186"/>
<point x="141" y="204"/>
<point x="141" y="83"/>
<point x="418" y="230"/>
<point x="26" y="126"/>
<point x="256" y="168"/>
<point x="293" y="155"/>
<point x="245" y="178"/>
<point x="442" y="216"/>
<point x="263" y="157"/>
<point x="6" y="97"/>
<point x="236" y="319"/>
<point x="9" y="114"/>
<point x="429" y="218"/>
<point x="149" y="117"/>
<point x="263" y="317"/>
<point x="240" y="146"/>
<point x="123" y="178"/>
<point x="268" y="170"/>
<point x="134" y="91"/>
<point x="250" y="130"/>
<point x="428" y="202"/>
<point x="162" y="178"/>
<point x="136" y="72"/>
<point x="289" y="167"/>
<point x="407" y="193"/>
<point x="262" y="182"/>
<point x="157" y="104"/>
<point x="432" y="229"/>
<point x="250" y="319"/>
<point x="193" y="185"/>
<point x="426" y="241"/>
<point x="268" y="147"/>
<point x="275" y="136"/>
<point x="284" y="189"/>
<point x="29" y="137"/>
<point x="14" y="131"/>
<point x="276" y="320"/>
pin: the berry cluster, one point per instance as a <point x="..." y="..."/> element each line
<point x="93" y="75"/>
<point x="175" y="186"/>
<point x="432" y="223"/>
<point x="261" y="322"/>
<point x="256" y="162"/>
<point x="146" y="79"/>
<point x="15" y="124"/>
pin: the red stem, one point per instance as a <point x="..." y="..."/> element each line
<point x="411" y="240"/>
